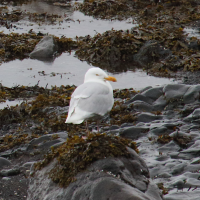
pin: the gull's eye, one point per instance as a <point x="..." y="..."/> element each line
<point x="97" y="74"/>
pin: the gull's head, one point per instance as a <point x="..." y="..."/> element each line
<point x="97" y="74"/>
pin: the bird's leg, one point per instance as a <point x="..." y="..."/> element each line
<point x="87" y="129"/>
<point x="98" y="121"/>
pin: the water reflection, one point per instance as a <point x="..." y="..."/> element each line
<point x="68" y="70"/>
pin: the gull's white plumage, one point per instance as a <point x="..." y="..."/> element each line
<point x="94" y="98"/>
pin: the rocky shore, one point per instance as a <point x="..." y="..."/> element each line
<point x="162" y="121"/>
<point x="149" y="143"/>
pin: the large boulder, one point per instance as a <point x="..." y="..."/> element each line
<point x="109" y="178"/>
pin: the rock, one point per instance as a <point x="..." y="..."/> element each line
<point x="10" y="172"/>
<point x="140" y="106"/>
<point x="193" y="116"/>
<point x="151" y="51"/>
<point x="153" y="93"/>
<point x="28" y="164"/>
<point x="5" y="178"/>
<point x="160" y="103"/>
<point x="162" y="130"/>
<point x="144" y="89"/>
<point x="175" y="91"/>
<point x="4" y="162"/>
<point x="169" y="147"/>
<point x="109" y="178"/>
<point x="178" y="169"/>
<point x="148" y="117"/>
<point x="45" y="48"/>
<point x="192" y="94"/>
<point x="141" y="97"/>
<point x="134" y="132"/>
<point x="46" y="141"/>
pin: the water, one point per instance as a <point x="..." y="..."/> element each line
<point x="8" y="103"/>
<point x="68" y="70"/>
<point x="70" y="24"/>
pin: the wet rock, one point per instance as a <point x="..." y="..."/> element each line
<point x="169" y="147"/>
<point x="46" y="141"/>
<point x="4" y="162"/>
<point x="164" y="175"/>
<point x="145" y="89"/>
<point x="114" y="127"/>
<point x="195" y="161"/>
<point x="28" y="164"/>
<point x="141" y="97"/>
<point x="175" y="91"/>
<point x="169" y="114"/>
<point x="163" y="158"/>
<point x="192" y="94"/>
<point x="5" y="178"/>
<point x="115" y="178"/>
<point x="193" y="116"/>
<point x="160" y="103"/>
<point x="188" y="109"/>
<point x="183" y="195"/>
<point x="10" y="172"/>
<point x="153" y="93"/>
<point x="45" y="48"/>
<point x="178" y="169"/>
<point x="134" y="132"/>
<point x="161" y="130"/>
<point x="148" y="117"/>
<point x="141" y="106"/>
<point x="195" y="148"/>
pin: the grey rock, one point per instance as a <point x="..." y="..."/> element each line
<point x="144" y="89"/>
<point x="178" y="169"/>
<point x="153" y="93"/>
<point x="195" y="148"/>
<point x="169" y="147"/>
<point x="46" y="141"/>
<point x="160" y="103"/>
<point x="141" y="97"/>
<point x="162" y="158"/>
<point x="164" y="175"/>
<point x="114" y="127"/>
<point x="195" y="161"/>
<point x="28" y="164"/>
<point x="193" y="116"/>
<point x="10" y="172"/>
<point x="4" y="162"/>
<point x="162" y="130"/>
<point x="192" y="94"/>
<point x="148" y="117"/>
<point x="109" y="178"/>
<point x="175" y="91"/>
<point x="140" y="106"/>
<point x="45" y="48"/>
<point x="5" y="178"/>
<point x="134" y="132"/>
<point x="47" y="145"/>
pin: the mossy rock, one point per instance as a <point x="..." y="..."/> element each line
<point x="76" y="154"/>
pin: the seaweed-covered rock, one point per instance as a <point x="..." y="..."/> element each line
<point x="151" y="51"/>
<point x="109" y="178"/>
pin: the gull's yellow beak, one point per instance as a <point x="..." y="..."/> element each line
<point x="110" y="78"/>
